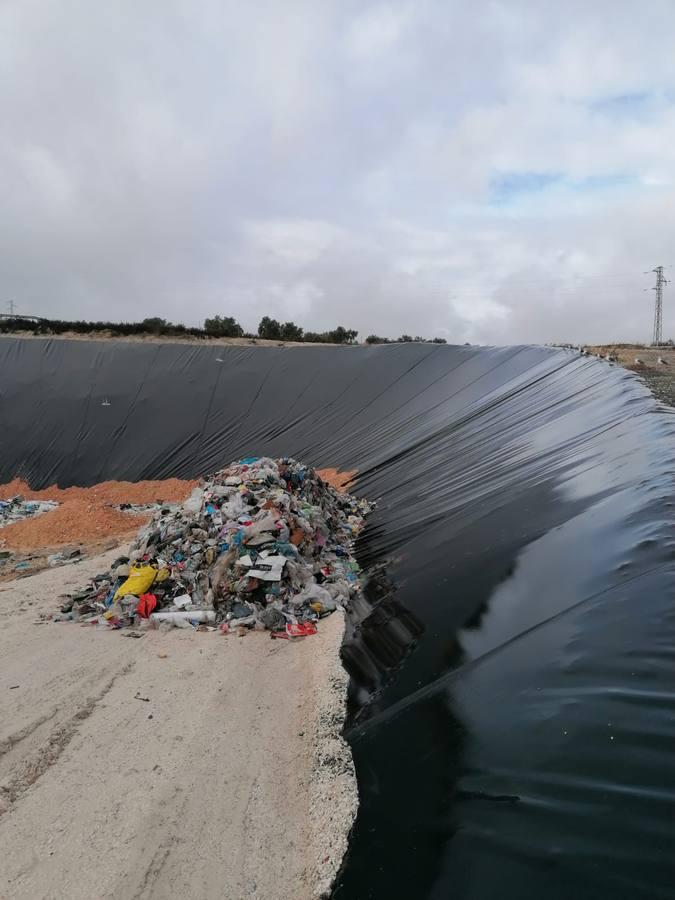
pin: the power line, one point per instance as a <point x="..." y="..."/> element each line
<point x="508" y="291"/>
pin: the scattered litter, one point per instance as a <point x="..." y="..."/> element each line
<point x="143" y="509"/>
<point x="263" y="544"/>
<point x="137" y="696"/>
<point x="146" y="604"/>
<point x="65" y="557"/>
<point x="295" y="630"/>
<point x="182" y="615"/>
<point x="16" y="508"/>
<point x="13" y="687"/>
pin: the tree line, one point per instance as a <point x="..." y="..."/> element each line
<point x="272" y="330"/>
<point x="404" y="339"/>
<point x="218" y="326"/>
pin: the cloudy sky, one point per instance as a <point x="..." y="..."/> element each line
<point x="492" y="172"/>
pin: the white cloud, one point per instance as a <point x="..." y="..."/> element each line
<point x="336" y="161"/>
<point x="294" y="242"/>
<point x="378" y="30"/>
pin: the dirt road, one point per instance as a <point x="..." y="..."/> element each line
<point x="180" y="764"/>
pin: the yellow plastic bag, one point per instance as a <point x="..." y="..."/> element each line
<point x="139" y="580"/>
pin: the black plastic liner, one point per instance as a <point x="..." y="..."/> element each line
<point x="512" y="707"/>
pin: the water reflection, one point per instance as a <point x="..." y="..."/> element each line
<point x="404" y="858"/>
<point x="421" y="775"/>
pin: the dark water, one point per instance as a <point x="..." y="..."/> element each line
<point x="523" y="748"/>
<point x="512" y="705"/>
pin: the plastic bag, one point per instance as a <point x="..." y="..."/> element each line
<point x="314" y="594"/>
<point x="139" y="580"/>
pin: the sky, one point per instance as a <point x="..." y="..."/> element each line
<point x="487" y="172"/>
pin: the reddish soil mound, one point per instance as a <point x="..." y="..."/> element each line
<point x="339" y="480"/>
<point x="86" y="515"/>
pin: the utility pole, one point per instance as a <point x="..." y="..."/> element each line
<point x="657" y="338"/>
<point x="10" y="306"/>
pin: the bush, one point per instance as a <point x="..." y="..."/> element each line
<point x="156" y="325"/>
<point x="226" y="326"/>
<point x="218" y="326"/>
<point x="339" y="335"/>
<point x="269" y="329"/>
<point x="291" y="332"/>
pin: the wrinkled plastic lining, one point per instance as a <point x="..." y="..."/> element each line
<point x="512" y="660"/>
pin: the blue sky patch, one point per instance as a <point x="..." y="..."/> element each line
<point x="504" y="186"/>
<point x="507" y="187"/>
<point x="623" y="104"/>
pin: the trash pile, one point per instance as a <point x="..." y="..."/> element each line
<point x="263" y="544"/>
<point x="16" y="508"/>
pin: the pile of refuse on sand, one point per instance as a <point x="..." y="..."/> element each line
<point x="15" y="509"/>
<point x="263" y="544"/>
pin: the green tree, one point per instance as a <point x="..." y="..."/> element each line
<point x="269" y="329"/>
<point x="291" y="332"/>
<point x="155" y="324"/>
<point x="223" y="326"/>
<point x="342" y="335"/>
<point x="339" y="335"/>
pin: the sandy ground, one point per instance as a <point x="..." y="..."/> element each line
<point x="658" y="376"/>
<point x="229" y="781"/>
